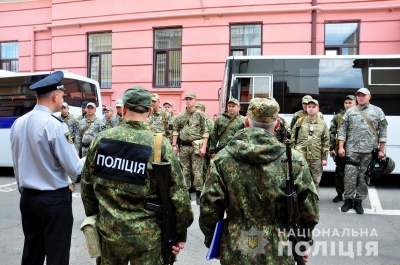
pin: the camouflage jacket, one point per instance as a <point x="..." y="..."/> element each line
<point x="195" y="127"/>
<point x="334" y="130"/>
<point x="282" y="133"/>
<point x="313" y="143"/>
<point x="246" y="180"/>
<point x="116" y="120"/>
<point x="160" y="122"/>
<point x="118" y="201"/>
<point x="81" y="117"/>
<point x="300" y="114"/>
<point x="220" y="125"/>
<point x="356" y="132"/>
<point x="73" y="124"/>
<point x="88" y="129"/>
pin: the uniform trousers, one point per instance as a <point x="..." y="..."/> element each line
<point x="339" y="175"/>
<point x="355" y="186"/>
<point x="47" y="224"/>
<point x="316" y="170"/>
<point x="192" y="165"/>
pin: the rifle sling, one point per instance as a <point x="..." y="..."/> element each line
<point x="228" y="127"/>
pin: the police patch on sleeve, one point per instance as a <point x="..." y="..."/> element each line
<point x="68" y="136"/>
<point x="122" y="161"/>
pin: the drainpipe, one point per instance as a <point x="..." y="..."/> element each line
<point x="313" y="28"/>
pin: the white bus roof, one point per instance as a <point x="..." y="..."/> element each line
<point x="261" y="57"/>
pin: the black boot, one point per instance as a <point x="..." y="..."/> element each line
<point x="348" y="204"/>
<point x="357" y="206"/>
<point x="198" y="193"/>
<point x="338" y="198"/>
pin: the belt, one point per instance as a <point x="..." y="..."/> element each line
<point x="184" y="143"/>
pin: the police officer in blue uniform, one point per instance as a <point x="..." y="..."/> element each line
<point x="43" y="156"/>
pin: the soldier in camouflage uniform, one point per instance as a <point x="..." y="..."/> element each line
<point x="225" y="127"/>
<point x="191" y="125"/>
<point x="160" y="120"/>
<point x="210" y="123"/>
<point x="349" y="101"/>
<point x="70" y="120"/>
<point x="88" y="129"/>
<point x="168" y="107"/>
<point x="117" y="194"/>
<point x="247" y="180"/>
<point x="360" y="140"/>
<point x="303" y="113"/>
<point x="83" y="107"/>
<point x="108" y="113"/>
<point x="117" y="119"/>
<point x="311" y="139"/>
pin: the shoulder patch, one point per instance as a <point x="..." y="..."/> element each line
<point x="103" y="127"/>
<point x="68" y="136"/>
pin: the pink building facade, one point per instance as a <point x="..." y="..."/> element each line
<point x="174" y="47"/>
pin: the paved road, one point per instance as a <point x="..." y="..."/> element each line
<point x="342" y="238"/>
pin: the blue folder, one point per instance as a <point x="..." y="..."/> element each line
<point x="214" y="250"/>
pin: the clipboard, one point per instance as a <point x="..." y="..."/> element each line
<point x="214" y="250"/>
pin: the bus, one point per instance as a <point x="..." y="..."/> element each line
<point x="326" y="78"/>
<point x="16" y="99"/>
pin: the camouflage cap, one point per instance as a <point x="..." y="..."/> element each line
<point x="350" y="97"/>
<point x="109" y="108"/>
<point x="65" y="105"/>
<point x="234" y="101"/>
<point x="137" y="96"/>
<point x="169" y="103"/>
<point x="364" y="91"/>
<point x="155" y="97"/>
<point x="118" y="103"/>
<point x="263" y="110"/>
<point x="200" y="105"/>
<point x="313" y="101"/>
<point x="306" y="98"/>
<point x="190" y="95"/>
<point x="91" y="104"/>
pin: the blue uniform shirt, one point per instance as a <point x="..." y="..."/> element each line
<point x="42" y="155"/>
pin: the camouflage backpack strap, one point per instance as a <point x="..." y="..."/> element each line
<point x="88" y="124"/>
<point x="229" y="127"/>
<point x="157" y="147"/>
<point x="368" y="122"/>
<point x="298" y="128"/>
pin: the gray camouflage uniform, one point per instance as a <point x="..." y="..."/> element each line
<point x="194" y="129"/>
<point x="73" y="124"/>
<point x="88" y="129"/>
<point x="359" y="141"/>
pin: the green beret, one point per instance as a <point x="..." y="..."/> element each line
<point x="136" y="96"/>
<point x="263" y="110"/>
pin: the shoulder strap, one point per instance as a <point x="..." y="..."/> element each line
<point x="228" y="127"/>
<point x="368" y="122"/>
<point x="188" y="118"/>
<point x="157" y="147"/>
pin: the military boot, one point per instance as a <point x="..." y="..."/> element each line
<point x="198" y="193"/>
<point x="338" y="198"/>
<point x="357" y="206"/>
<point x="348" y="204"/>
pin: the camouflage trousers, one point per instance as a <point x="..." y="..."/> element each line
<point x="192" y="167"/>
<point x="355" y="186"/>
<point x="115" y="254"/>
<point x="205" y="167"/>
<point x="316" y="171"/>
<point x="339" y="175"/>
